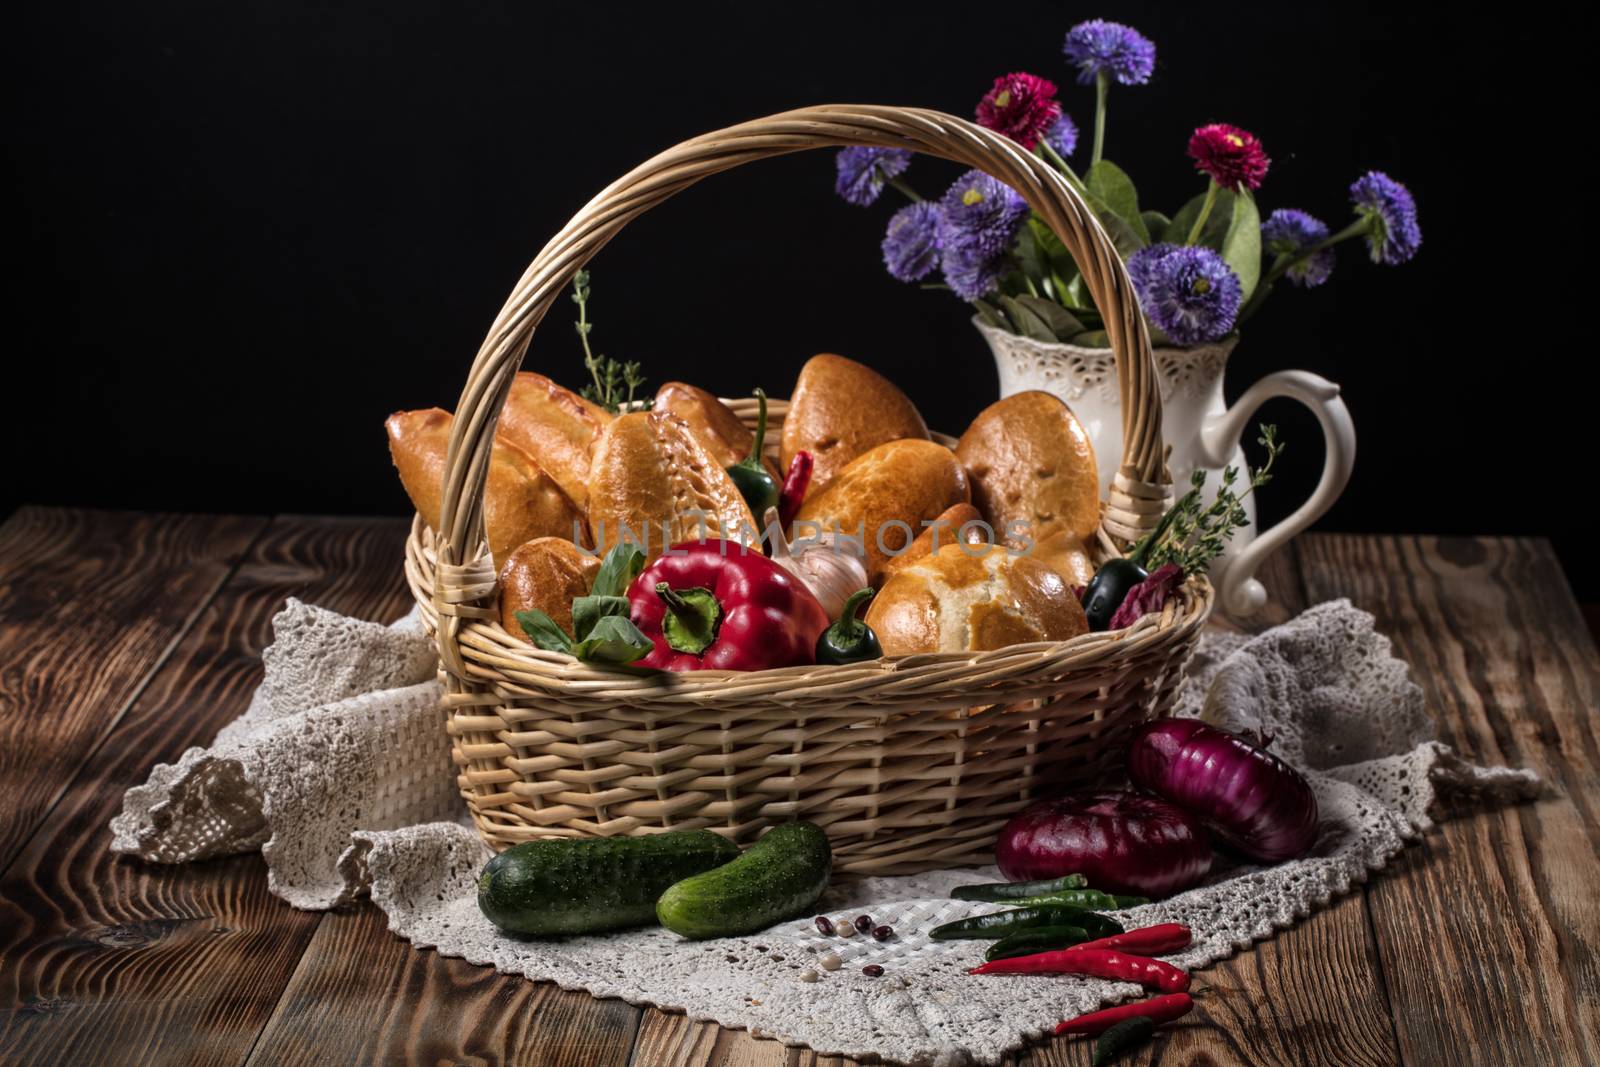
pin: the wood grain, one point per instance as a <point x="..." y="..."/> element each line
<point x="92" y="602"/>
<point x="110" y="961"/>
<point x="1488" y="932"/>
<point x="363" y="995"/>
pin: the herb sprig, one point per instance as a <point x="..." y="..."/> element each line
<point x="1191" y="536"/>
<point x="609" y="377"/>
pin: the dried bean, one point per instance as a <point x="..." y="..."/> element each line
<point x="872" y="970"/>
<point x="882" y="933"/>
<point x="863" y="923"/>
<point x="824" y="926"/>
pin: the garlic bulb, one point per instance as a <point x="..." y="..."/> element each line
<point x="829" y="567"/>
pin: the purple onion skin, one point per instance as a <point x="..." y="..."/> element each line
<point x="1122" y="842"/>
<point x="1249" y="797"/>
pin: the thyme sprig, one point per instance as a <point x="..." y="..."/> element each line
<point x="609" y="377"/>
<point x="1192" y="536"/>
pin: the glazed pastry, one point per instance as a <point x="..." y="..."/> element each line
<point x="520" y="501"/>
<point x="555" y="426"/>
<point x="943" y="530"/>
<point x="652" y="483"/>
<point x="713" y="423"/>
<point x="546" y="574"/>
<point x="1032" y="467"/>
<point x="970" y="598"/>
<point x="841" y="409"/>
<point x="883" y="496"/>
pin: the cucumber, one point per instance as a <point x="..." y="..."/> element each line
<point x="582" y="886"/>
<point x="777" y="878"/>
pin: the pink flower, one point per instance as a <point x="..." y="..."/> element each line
<point x="1021" y="106"/>
<point x="1229" y="156"/>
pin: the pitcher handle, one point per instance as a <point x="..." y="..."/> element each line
<point x="1239" y="591"/>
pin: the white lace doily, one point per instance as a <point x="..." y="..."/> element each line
<point x="340" y="772"/>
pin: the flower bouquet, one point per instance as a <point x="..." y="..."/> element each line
<point x="1199" y="273"/>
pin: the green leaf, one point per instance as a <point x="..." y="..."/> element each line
<point x="1108" y="182"/>
<point x="1156" y="223"/>
<point x="614" y="641"/>
<point x="1028" y="323"/>
<point x="1217" y="223"/>
<point x="588" y="610"/>
<point x="544" y="631"/>
<point x="991" y="315"/>
<point x="1092" y="339"/>
<point x="1062" y="323"/>
<point x="1241" y="244"/>
<point x="1035" y="263"/>
<point x="618" y="570"/>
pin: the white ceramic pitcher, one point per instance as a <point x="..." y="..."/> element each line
<point x="1199" y="426"/>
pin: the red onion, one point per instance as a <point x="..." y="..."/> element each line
<point x="1122" y="842"/>
<point x="1248" y="796"/>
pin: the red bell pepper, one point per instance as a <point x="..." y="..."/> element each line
<point x="715" y="605"/>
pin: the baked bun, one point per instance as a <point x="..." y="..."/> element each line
<point x="839" y="410"/>
<point x="555" y="426"/>
<point x="520" y="501"/>
<point x="902" y="482"/>
<point x="713" y="423"/>
<point x="968" y="598"/>
<point x="544" y="574"/>
<point x="944" y="530"/>
<point x="653" y="484"/>
<point x="1065" y="554"/>
<point x="1032" y="462"/>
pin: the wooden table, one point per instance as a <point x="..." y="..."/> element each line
<point x="126" y="638"/>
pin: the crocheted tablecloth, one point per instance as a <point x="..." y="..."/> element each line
<point x="340" y="772"/>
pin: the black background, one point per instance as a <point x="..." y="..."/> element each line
<point x="247" y="232"/>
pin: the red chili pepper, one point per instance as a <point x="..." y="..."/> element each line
<point x="716" y="605"/>
<point x="1096" y="963"/>
<point x="795" y="484"/>
<point x="1147" y="941"/>
<point x="1158" y="1009"/>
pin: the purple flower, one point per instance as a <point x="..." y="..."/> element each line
<point x="1289" y="231"/>
<point x="1122" y="52"/>
<point x="1392" y="211"/>
<point x="1190" y="294"/>
<point x="911" y="245"/>
<point x="978" y="219"/>
<point x="979" y="216"/>
<point x="1062" y="135"/>
<point x="863" y="169"/>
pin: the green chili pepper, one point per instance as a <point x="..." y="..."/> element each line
<point x="1003" y="923"/>
<point x="1043" y="939"/>
<point x="1122" y="1039"/>
<point x="759" y="489"/>
<point x="849" y="640"/>
<point x="1092" y="899"/>
<point x="1003" y="892"/>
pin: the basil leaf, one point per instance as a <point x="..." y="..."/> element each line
<point x="615" y="640"/>
<point x="588" y="610"/>
<point x="544" y="631"/>
<point x="618" y="570"/>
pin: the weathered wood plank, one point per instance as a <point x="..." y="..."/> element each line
<point x="363" y="995"/>
<point x="1489" y="930"/>
<point x="112" y="961"/>
<point x="90" y="604"/>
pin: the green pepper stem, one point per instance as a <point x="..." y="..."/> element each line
<point x="754" y="458"/>
<point x="849" y="624"/>
<point x="674" y="601"/>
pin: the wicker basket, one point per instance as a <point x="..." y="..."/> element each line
<point x="911" y="763"/>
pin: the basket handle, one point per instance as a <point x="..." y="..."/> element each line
<point x="1141" y="486"/>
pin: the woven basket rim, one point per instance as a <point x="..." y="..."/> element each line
<point x="1190" y="605"/>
